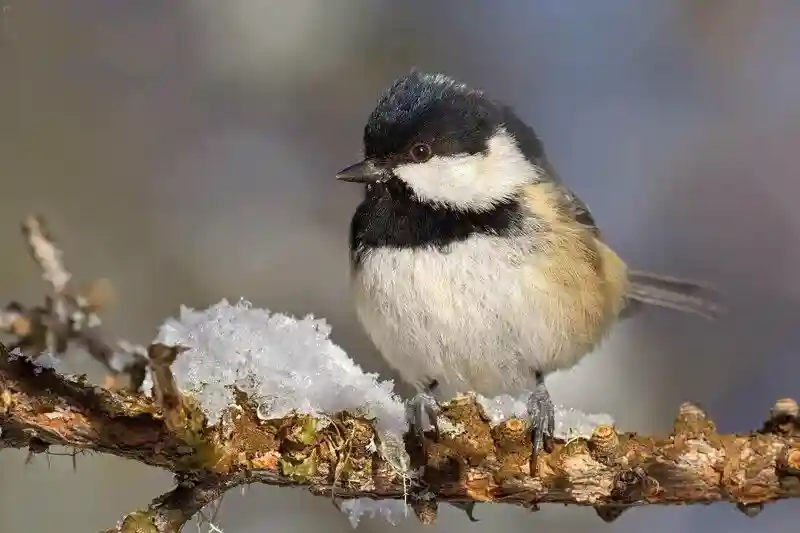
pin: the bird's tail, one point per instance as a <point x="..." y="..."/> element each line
<point x="671" y="293"/>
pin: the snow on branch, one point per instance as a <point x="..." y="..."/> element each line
<point x="234" y="395"/>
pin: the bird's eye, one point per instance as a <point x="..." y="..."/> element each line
<point x="421" y="152"/>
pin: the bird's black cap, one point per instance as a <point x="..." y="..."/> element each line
<point x="431" y="108"/>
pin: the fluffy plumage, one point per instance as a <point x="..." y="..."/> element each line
<point x="487" y="312"/>
<point x="476" y="267"/>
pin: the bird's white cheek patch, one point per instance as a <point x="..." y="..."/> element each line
<point x="474" y="182"/>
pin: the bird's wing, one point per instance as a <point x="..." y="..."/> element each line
<point x="641" y="288"/>
<point x="571" y="203"/>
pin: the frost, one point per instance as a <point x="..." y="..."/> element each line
<point x="502" y="407"/>
<point x="392" y="510"/>
<point x="44" y="360"/>
<point x="147" y="383"/>
<point x="575" y="423"/>
<point x="569" y="422"/>
<point x="283" y="363"/>
<point x="450" y="429"/>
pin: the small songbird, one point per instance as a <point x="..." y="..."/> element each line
<point x="474" y="268"/>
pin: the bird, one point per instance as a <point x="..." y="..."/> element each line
<point x="473" y="267"/>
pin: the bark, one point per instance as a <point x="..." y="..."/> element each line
<point x="338" y="456"/>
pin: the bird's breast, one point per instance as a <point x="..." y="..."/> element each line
<point x="480" y="314"/>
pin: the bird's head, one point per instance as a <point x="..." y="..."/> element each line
<point x="446" y="144"/>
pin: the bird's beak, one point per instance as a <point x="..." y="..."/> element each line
<point x="362" y="172"/>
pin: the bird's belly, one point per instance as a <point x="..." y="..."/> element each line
<point x="474" y="318"/>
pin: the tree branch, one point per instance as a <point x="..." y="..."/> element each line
<point x="338" y="456"/>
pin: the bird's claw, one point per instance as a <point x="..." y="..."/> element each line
<point x="542" y="419"/>
<point x="420" y="406"/>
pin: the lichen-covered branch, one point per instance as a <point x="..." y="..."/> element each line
<point x="338" y="456"/>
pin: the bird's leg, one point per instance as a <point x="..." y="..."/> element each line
<point x="542" y="418"/>
<point x="423" y="404"/>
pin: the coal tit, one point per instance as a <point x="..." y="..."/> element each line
<point x="474" y="268"/>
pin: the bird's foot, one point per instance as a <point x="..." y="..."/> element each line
<point x="420" y="406"/>
<point x="542" y="417"/>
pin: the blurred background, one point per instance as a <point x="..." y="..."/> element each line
<point x="186" y="150"/>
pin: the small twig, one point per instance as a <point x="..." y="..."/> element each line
<point x="167" y="394"/>
<point x="170" y="512"/>
<point x="46" y="254"/>
<point x="69" y="316"/>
